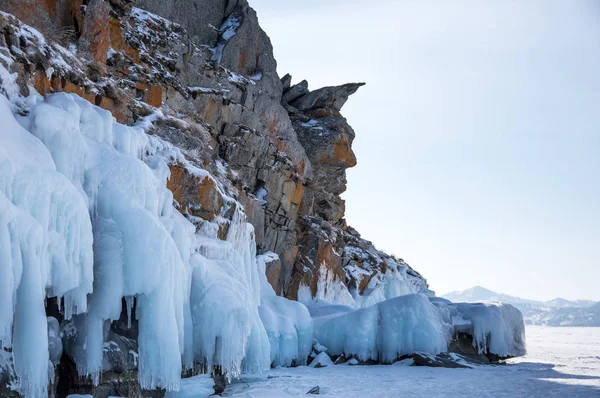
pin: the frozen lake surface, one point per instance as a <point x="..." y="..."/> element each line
<point x="561" y="362"/>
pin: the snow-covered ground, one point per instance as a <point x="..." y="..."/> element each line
<point x="562" y="362"/>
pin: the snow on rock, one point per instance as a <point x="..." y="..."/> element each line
<point x="384" y="331"/>
<point x="226" y="31"/>
<point x="321" y="360"/>
<point x="397" y="280"/>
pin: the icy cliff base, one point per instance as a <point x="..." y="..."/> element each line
<point x="85" y="216"/>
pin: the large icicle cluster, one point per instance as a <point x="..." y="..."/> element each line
<point x="225" y="300"/>
<point x="85" y="215"/>
<point x="45" y="248"/>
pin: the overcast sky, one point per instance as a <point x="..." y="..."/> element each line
<point x="477" y="134"/>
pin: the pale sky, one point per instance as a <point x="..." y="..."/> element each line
<point x="477" y="134"/>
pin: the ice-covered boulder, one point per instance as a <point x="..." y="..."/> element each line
<point x="321" y="360"/>
<point x="496" y="329"/>
<point x="385" y="331"/>
<point x="391" y="329"/>
<point x="492" y="330"/>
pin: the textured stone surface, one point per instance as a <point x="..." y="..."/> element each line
<point x="201" y="18"/>
<point x="197" y="196"/>
<point x="95" y="23"/>
<point x="326" y="97"/>
<point x="273" y="271"/>
<point x="437" y="361"/>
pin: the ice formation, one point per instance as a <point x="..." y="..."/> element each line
<point x="46" y="247"/>
<point x="414" y="322"/>
<point x="382" y="332"/>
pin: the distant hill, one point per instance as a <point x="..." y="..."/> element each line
<point x="556" y="312"/>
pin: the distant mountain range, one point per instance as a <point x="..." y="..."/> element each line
<point x="557" y="312"/>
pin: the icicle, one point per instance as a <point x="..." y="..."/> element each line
<point x="129" y="305"/>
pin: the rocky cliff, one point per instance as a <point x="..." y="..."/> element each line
<point x="200" y="75"/>
<point x="207" y="71"/>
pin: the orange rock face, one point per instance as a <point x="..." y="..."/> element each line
<point x="57" y="84"/>
<point x="196" y="196"/>
<point x="49" y="16"/>
<point x="292" y="196"/>
<point x="117" y="42"/>
<point x="95" y="29"/>
<point x="327" y="258"/>
<point x="320" y="253"/>
<point x="154" y="96"/>
<point x="342" y="153"/>
<point x="41" y="83"/>
<point x="273" y="270"/>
